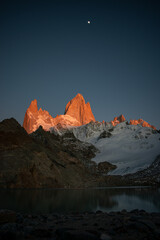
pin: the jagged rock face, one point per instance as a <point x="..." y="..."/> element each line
<point x="34" y="118"/>
<point x="118" y="120"/>
<point x="77" y="113"/>
<point x="80" y="110"/>
<point x="141" y="122"/>
<point x="121" y="119"/>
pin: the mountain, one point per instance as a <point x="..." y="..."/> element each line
<point x="130" y="147"/>
<point x="77" y="113"/>
<point x="118" y="120"/>
<point x="78" y="109"/>
<point x="142" y="123"/>
<point x="151" y="174"/>
<point x="42" y="159"/>
<point x="83" y="156"/>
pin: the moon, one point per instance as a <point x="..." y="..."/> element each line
<point x="89" y="22"/>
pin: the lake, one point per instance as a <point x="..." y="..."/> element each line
<point x="80" y="200"/>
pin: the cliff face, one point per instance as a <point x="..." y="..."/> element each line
<point x="34" y="118"/>
<point x="41" y="159"/>
<point x="77" y="113"/>
<point x="141" y="122"/>
<point x="118" y="120"/>
<point x="80" y="110"/>
<point x="121" y="119"/>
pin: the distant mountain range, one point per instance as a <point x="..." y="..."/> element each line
<point x="77" y="113"/>
<point x="73" y="150"/>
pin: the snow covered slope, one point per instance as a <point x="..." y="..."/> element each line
<point x="130" y="147"/>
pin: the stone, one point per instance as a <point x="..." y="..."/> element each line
<point x="118" y="120"/>
<point x="105" y="167"/>
<point x="105" y="237"/>
<point x="80" y="110"/>
<point x="141" y="122"/>
<point x="41" y="233"/>
<point x="7" y="216"/>
<point x="43" y="159"/>
<point x="77" y="113"/>
<point x="77" y="235"/>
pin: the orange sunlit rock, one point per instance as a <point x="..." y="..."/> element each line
<point x="121" y="118"/>
<point x="118" y="120"/>
<point x="32" y="115"/>
<point x="141" y="122"/>
<point x="77" y="113"/>
<point x="33" y="106"/>
<point x="80" y="110"/>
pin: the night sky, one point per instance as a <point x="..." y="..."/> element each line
<point x="49" y="52"/>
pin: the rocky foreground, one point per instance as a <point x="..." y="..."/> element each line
<point x="136" y="224"/>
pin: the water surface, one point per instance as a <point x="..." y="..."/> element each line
<point x="71" y="200"/>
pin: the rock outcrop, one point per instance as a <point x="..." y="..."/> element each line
<point x="41" y="159"/>
<point x="118" y="120"/>
<point x="77" y="113"/>
<point x="80" y="110"/>
<point x="142" y="123"/>
<point x="121" y="118"/>
<point x="35" y="118"/>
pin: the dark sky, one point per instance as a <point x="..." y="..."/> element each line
<point x="49" y="52"/>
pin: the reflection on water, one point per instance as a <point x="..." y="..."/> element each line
<point x="65" y="201"/>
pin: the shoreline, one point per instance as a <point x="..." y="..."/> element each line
<point x="84" y="188"/>
<point x="136" y="224"/>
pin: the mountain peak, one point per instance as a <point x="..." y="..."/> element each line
<point x="80" y="110"/>
<point x="10" y="125"/>
<point x="33" y="106"/>
<point x="79" y="95"/>
<point x="141" y="122"/>
<point x="77" y="113"/>
<point x="118" y="120"/>
<point x="121" y="118"/>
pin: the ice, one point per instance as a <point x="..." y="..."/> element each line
<point x="130" y="147"/>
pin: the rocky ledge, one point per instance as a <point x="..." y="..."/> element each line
<point x="136" y="224"/>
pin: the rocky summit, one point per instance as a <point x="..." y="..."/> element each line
<point x="142" y="123"/>
<point x="77" y="113"/>
<point x="77" y="108"/>
<point x="118" y="120"/>
<point x="74" y="150"/>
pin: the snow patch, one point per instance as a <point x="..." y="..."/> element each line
<point x="130" y="147"/>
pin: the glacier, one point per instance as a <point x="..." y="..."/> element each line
<point x="130" y="147"/>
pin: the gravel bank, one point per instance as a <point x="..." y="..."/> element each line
<point x="136" y="224"/>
